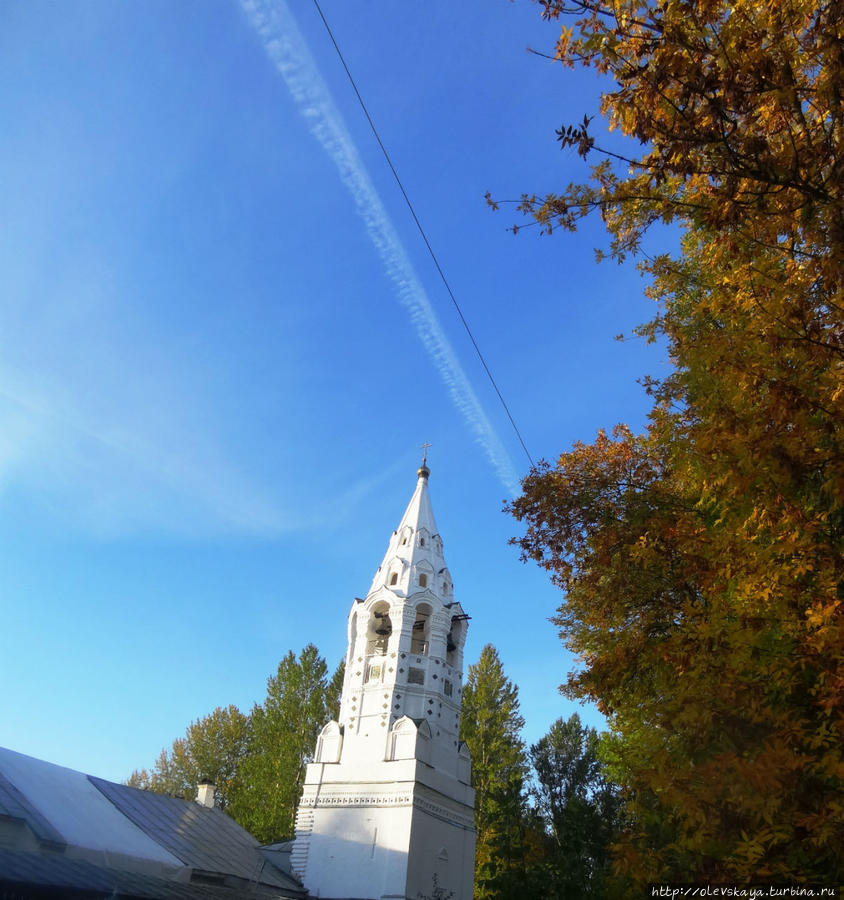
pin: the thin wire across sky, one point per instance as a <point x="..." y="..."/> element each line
<point x="422" y="231"/>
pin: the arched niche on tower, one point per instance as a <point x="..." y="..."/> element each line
<point x="378" y="629"/>
<point x="420" y="636"/>
<point x="329" y="744"/>
<point x="464" y="764"/>
<point x="410" y="740"/>
<point x="445" y="583"/>
<point x="423" y="742"/>
<point x="423" y="576"/>
<point x="406" y="537"/>
<point x="393" y="573"/>
<point x="402" y="739"/>
<point x="423" y="539"/>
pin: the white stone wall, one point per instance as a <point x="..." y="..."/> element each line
<point x="384" y="838"/>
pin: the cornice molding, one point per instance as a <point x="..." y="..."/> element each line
<point x="420" y="798"/>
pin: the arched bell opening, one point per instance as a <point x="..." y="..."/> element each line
<point x="455" y="638"/>
<point x="421" y="630"/>
<point x="379" y="629"/>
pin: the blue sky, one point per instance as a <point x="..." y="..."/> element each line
<point x="222" y="343"/>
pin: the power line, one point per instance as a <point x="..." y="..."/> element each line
<point x="421" y="230"/>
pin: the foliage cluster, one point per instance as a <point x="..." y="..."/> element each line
<point x="212" y="749"/>
<point x="257" y="762"/>
<point x="702" y="561"/>
<point x="544" y="817"/>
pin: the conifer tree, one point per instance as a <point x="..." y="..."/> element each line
<point x="491" y="727"/>
<point x="334" y="692"/>
<point x="579" y="806"/>
<point x="283" y="735"/>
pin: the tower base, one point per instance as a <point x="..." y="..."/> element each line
<point x="384" y="838"/>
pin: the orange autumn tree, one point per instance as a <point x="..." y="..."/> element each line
<point x="703" y="561"/>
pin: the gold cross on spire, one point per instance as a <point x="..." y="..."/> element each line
<point x="424" y="449"/>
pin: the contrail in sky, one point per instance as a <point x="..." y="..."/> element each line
<point x="287" y="49"/>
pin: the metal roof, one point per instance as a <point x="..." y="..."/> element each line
<point x="14" y="805"/>
<point x="76" y="810"/>
<point x="204" y="839"/>
<point x="95" y="838"/>
<point x="28" y="875"/>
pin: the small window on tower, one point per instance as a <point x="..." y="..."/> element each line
<point x="423" y="580"/>
<point x="421" y="542"/>
<point x="394" y="578"/>
<point x="448" y="689"/>
<point x="416" y="676"/>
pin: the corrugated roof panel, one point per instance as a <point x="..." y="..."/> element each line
<point x="76" y="810"/>
<point x="14" y="805"/>
<point x="204" y="839"/>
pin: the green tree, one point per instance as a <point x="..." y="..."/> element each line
<point x="283" y="736"/>
<point x="491" y="727"/>
<point x="702" y="562"/>
<point x="334" y="692"/>
<point x="256" y="762"/>
<point x="579" y="806"/>
<point x="213" y="748"/>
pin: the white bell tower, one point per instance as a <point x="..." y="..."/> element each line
<point x="387" y="802"/>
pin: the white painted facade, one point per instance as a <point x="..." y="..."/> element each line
<point x="387" y="803"/>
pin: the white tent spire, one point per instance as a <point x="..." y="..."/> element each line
<point x="415" y="548"/>
<point x="419" y="513"/>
